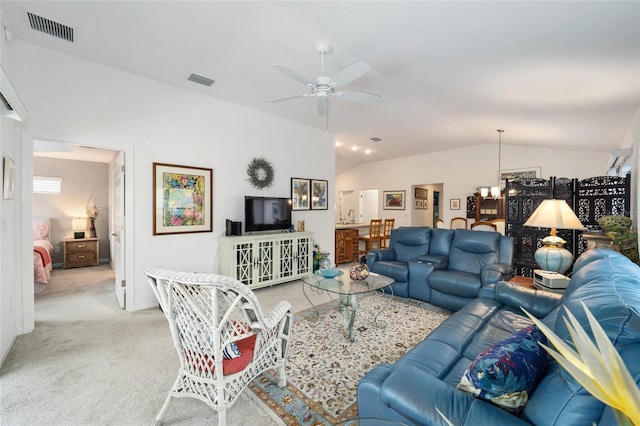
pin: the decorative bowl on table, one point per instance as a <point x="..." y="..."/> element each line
<point x="329" y="273"/>
<point x="359" y="272"/>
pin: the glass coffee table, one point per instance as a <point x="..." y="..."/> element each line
<point x="336" y="282"/>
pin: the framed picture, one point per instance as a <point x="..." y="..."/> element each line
<point x="421" y="193"/>
<point x="319" y="189"/>
<point x="454" y="204"/>
<point x="9" y="178"/>
<point x="300" y="194"/>
<point x="393" y="200"/>
<point x="531" y="172"/>
<point x="182" y="199"/>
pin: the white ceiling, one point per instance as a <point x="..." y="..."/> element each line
<point x="553" y="74"/>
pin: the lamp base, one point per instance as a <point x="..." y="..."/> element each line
<point x="78" y="235"/>
<point x="553" y="257"/>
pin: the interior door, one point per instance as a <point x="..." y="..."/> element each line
<point x="118" y="234"/>
<point x="368" y="205"/>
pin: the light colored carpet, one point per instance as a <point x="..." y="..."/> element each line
<point x="90" y="363"/>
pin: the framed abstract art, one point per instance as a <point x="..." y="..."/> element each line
<point x="182" y="199"/>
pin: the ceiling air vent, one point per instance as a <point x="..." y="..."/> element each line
<point x="50" y="27"/>
<point x="201" y="80"/>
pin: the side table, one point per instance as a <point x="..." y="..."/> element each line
<point x="80" y="252"/>
<point x="523" y="281"/>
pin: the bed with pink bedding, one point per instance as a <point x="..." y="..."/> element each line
<point x="42" y="250"/>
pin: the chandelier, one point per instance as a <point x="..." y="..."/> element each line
<point x="494" y="190"/>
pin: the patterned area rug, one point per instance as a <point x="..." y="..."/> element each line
<point x="324" y="367"/>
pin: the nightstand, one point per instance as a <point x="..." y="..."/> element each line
<point x="80" y="252"/>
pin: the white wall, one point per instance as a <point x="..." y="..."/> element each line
<point x="463" y="170"/>
<point x="632" y="139"/>
<point x="77" y="101"/>
<point x="11" y="294"/>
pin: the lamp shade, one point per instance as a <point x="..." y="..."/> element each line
<point x="79" y="224"/>
<point x="554" y="214"/>
<point x="552" y="256"/>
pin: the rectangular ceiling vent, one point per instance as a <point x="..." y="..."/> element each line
<point x="201" y="80"/>
<point x="50" y="27"/>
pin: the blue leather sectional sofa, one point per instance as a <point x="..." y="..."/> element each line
<point x="443" y="266"/>
<point x="410" y="390"/>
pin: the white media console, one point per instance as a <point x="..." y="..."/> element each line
<point x="266" y="259"/>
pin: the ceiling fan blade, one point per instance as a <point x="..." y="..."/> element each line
<point x="294" y="75"/>
<point x="286" y="98"/>
<point x="351" y="73"/>
<point x="359" y="97"/>
<point x="323" y="106"/>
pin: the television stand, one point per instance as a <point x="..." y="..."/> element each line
<point x="266" y="259"/>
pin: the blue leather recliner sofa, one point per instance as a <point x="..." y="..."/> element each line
<point x="443" y="266"/>
<point x="410" y="390"/>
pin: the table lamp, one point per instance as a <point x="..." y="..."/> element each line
<point x="78" y="225"/>
<point x="554" y="214"/>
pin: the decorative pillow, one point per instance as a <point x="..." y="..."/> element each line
<point x="507" y="372"/>
<point x="40" y="230"/>
<point x="231" y="351"/>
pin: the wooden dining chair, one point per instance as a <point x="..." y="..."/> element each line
<point x="483" y="226"/>
<point x="439" y="223"/>
<point x="374" y="237"/>
<point x="459" y="223"/>
<point x="386" y="232"/>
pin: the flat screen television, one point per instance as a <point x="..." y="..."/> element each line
<point x="266" y="213"/>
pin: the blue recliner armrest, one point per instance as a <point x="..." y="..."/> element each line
<point x="416" y="394"/>
<point x="438" y="261"/>
<point x="537" y="302"/>
<point x="378" y="255"/>
<point x="493" y="272"/>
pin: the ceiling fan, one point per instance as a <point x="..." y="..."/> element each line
<point x="324" y="87"/>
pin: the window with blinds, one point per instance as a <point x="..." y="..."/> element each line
<point x="46" y="185"/>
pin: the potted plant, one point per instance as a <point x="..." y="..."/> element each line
<point x="623" y="236"/>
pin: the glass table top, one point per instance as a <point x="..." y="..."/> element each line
<point x="343" y="284"/>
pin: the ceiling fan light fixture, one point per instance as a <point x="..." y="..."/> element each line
<point x="375" y="139"/>
<point x="324" y="87"/>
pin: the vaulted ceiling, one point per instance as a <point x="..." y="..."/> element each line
<point x="553" y="74"/>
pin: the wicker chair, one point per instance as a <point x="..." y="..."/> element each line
<point x="206" y="314"/>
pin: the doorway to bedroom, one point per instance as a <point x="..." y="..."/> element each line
<point x="90" y="185"/>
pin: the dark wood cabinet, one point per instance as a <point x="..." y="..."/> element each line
<point x="489" y="208"/>
<point x="346" y="245"/>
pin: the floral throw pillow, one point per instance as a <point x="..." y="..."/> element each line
<point x="507" y="372"/>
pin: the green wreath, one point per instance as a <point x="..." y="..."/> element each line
<point x="260" y="173"/>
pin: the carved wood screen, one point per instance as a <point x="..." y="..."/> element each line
<point x="590" y="199"/>
<point x="600" y="196"/>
